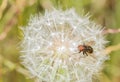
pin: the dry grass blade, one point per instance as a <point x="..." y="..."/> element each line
<point x="111" y="31"/>
<point x="109" y="49"/>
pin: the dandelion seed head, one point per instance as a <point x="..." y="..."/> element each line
<point x="50" y="47"/>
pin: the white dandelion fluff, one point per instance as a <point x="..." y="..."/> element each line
<point x="50" y="47"/>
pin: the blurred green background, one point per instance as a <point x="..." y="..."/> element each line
<point x="16" y="13"/>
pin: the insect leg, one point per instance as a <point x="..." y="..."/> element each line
<point x="84" y="53"/>
<point x="79" y="51"/>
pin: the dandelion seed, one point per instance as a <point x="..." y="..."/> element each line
<point x="50" y="47"/>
